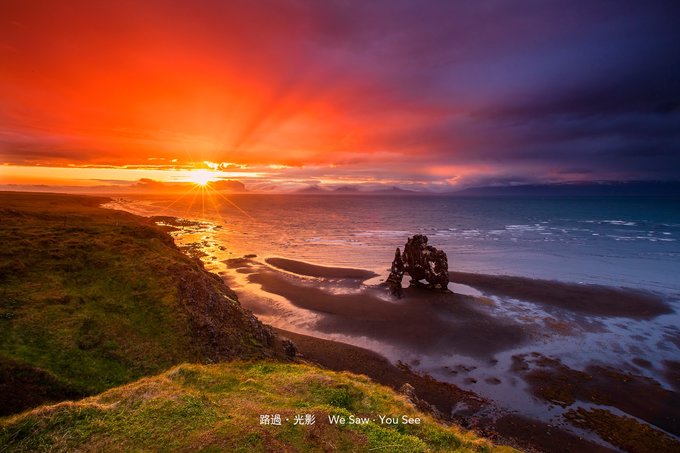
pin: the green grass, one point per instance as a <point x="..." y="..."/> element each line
<point x="217" y="408"/>
<point x="90" y="295"/>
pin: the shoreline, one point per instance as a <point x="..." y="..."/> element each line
<point x="574" y="428"/>
<point x="275" y="274"/>
<point x="439" y="397"/>
<point x="492" y="251"/>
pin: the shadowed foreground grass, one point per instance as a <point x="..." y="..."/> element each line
<point x="218" y="408"/>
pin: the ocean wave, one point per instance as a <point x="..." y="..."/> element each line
<point x="640" y="238"/>
<point x="609" y="222"/>
<point x="619" y="222"/>
<point x="525" y="227"/>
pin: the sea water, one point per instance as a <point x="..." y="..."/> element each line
<point x="631" y="242"/>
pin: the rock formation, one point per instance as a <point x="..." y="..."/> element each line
<point x="421" y="262"/>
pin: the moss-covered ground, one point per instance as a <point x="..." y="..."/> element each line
<point x="218" y="408"/>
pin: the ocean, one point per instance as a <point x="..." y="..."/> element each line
<point x="631" y="242"/>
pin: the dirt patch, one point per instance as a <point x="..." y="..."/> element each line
<point x="549" y="379"/>
<point x="239" y="263"/>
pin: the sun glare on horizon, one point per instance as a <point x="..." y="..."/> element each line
<point x="201" y="177"/>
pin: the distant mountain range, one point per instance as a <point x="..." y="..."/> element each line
<point x="313" y="190"/>
<point x="353" y="190"/>
<point x="570" y="189"/>
<point x="602" y="188"/>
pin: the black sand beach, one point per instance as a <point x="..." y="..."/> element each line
<point x="595" y="300"/>
<point x="313" y="270"/>
<point x="437" y="324"/>
<point x="424" y="320"/>
<point x="441" y="398"/>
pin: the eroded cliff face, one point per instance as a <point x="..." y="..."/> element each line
<point x="221" y="328"/>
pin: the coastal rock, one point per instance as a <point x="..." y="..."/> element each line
<point x="410" y="393"/>
<point x="217" y="320"/>
<point x="289" y="348"/>
<point x="422" y="262"/>
<point x="396" y="274"/>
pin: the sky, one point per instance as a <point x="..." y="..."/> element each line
<point x="428" y="95"/>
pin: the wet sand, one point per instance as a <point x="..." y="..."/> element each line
<point x="672" y="371"/>
<point x="314" y="270"/>
<point x="466" y="342"/>
<point x="445" y="327"/>
<point x="639" y="396"/>
<point x="422" y="319"/>
<point x="587" y="299"/>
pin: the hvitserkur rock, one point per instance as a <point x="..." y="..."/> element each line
<point x="421" y="262"/>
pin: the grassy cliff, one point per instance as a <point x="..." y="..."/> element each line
<point x="92" y="298"/>
<point x="218" y="408"/>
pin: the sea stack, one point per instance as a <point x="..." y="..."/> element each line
<point x="422" y="262"/>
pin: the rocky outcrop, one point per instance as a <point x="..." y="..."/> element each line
<point x="422" y="262"/>
<point x="396" y="274"/>
<point x="221" y="328"/>
<point x="410" y="393"/>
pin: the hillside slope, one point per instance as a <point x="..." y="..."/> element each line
<point x="92" y="298"/>
<point x="218" y="408"/>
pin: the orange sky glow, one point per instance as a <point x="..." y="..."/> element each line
<point x="95" y="93"/>
<point x="140" y="86"/>
<point x="282" y="95"/>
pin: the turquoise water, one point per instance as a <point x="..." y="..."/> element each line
<point x="631" y="242"/>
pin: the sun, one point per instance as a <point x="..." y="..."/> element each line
<point x="201" y="177"/>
